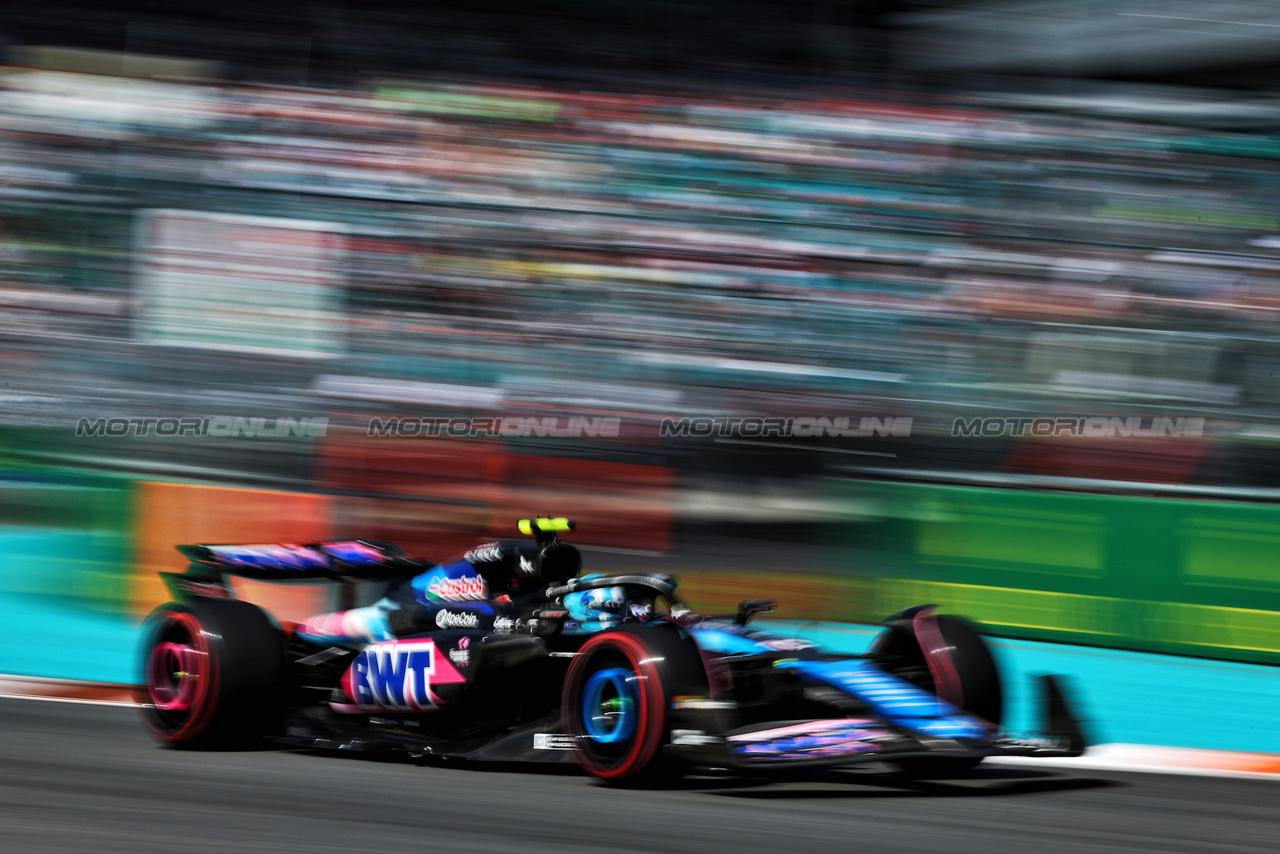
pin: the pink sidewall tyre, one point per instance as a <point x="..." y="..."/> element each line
<point x="614" y="707"/>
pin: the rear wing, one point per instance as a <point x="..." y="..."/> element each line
<point x="349" y="559"/>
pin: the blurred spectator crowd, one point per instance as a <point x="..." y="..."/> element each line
<point x="665" y="253"/>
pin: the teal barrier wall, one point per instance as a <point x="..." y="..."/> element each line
<point x="66" y="545"/>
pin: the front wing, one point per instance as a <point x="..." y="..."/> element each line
<point x="845" y="741"/>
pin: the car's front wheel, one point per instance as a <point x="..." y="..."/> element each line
<point x="614" y="707"/>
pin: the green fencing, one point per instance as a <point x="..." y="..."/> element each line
<point x="1164" y="575"/>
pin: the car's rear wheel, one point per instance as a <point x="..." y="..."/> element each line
<point x="213" y="671"/>
<point x="943" y="654"/>
<point x="614" y="707"/>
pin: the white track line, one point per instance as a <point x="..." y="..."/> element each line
<point x="1154" y="759"/>
<point x="66" y="691"/>
<point x="81" y="700"/>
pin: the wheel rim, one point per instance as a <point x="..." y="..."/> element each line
<point x="174" y="671"/>
<point x="614" y="706"/>
<point x="609" y="706"/>
<point x="182" y="678"/>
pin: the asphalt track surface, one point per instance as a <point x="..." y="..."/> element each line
<point x="87" y="778"/>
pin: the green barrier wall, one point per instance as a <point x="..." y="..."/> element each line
<point x="68" y="537"/>
<point x="1163" y="575"/>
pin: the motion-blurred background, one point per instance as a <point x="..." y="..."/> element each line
<point x="652" y="211"/>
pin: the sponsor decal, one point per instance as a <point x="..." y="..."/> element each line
<point x="701" y="703"/>
<point x="457" y="619"/>
<point x="487" y="553"/>
<point x="467" y="589"/>
<point x="812" y="739"/>
<point x="398" y="676"/>
<point x="526" y="567"/>
<point x="552" y="741"/>
<point x="204" y="588"/>
<point x="694" y="736"/>
<point x="460" y="656"/>
<point x="271" y="556"/>
<point x="505" y="625"/>
<point x="787" y="644"/>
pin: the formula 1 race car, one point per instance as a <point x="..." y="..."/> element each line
<point x="509" y="653"/>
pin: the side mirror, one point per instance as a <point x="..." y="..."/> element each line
<point x="750" y="607"/>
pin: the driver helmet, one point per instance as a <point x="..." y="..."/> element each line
<point x="558" y="562"/>
<point x="599" y="605"/>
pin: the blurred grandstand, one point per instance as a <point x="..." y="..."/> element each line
<point x="636" y="225"/>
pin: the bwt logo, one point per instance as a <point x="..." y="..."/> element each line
<point x="394" y="676"/>
<point x="790" y="428"/>
<point x="1093" y="428"/>
<point x="217" y="427"/>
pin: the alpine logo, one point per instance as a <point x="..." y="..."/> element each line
<point x="469" y="588"/>
<point x="457" y="619"/>
<point x="397" y="676"/>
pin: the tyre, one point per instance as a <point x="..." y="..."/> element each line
<point x="615" y="699"/>
<point x="946" y="656"/>
<point x="213" y="672"/>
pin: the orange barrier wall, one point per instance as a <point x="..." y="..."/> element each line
<point x="459" y="496"/>
<point x="169" y="514"/>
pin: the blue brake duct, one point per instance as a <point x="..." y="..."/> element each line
<point x="898" y="702"/>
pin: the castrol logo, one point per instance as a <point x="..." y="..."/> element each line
<point x="471" y="588"/>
